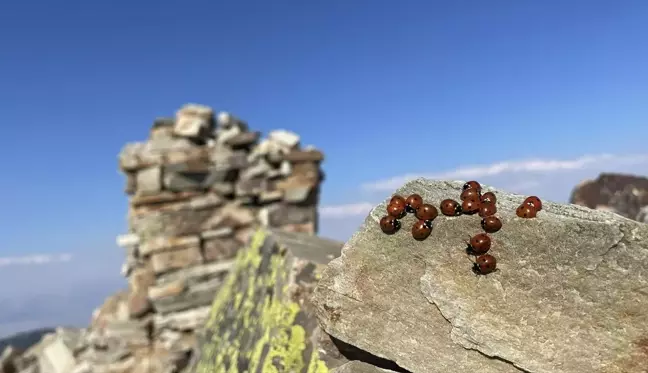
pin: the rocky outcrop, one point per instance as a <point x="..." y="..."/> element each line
<point x="623" y="194"/>
<point x="570" y="294"/>
<point x="262" y="319"/>
<point x="198" y="188"/>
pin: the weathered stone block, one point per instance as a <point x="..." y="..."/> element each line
<point x="131" y="183"/>
<point x="197" y="274"/>
<point x="176" y="259"/>
<point x="285" y="138"/>
<point x="270" y="196"/>
<point x="283" y="214"/>
<point x="138" y="303"/>
<point x="184" y="320"/>
<point x="217" y="233"/>
<point x="222" y="188"/>
<point x="191" y="166"/>
<point x="162" y="243"/>
<point x="308" y="228"/>
<point x="195" y="154"/>
<point x="200" y="294"/>
<point x="303" y="194"/>
<point x="218" y="174"/>
<point x="243" y="140"/>
<point x="220" y="249"/>
<point x="226" y="159"/>
<point x="255" y="170"/>
<point x="162" y="197"/>
<point x="194" y="121"/>
<point x="249" y="187"/>
<point x="170" y="289"/>
<point x="162" y="127"/>
<point x="56" y="357"/>
<point x="182" y="222"/>
<point x="185" y="181"/>
<point x="149" y="180"/>
<point x="303" y="156"/>
<point x="135" y="156"/>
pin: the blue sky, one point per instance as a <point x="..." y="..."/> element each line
<point x="422" y="88"/>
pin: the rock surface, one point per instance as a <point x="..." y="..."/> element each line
<point x="619" y="193"/>
<point x="570" y="295"/>
<point x="198" y="187"/>
<point x="261" y="319"/>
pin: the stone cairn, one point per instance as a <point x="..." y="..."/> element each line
<point x="197" y="189"/>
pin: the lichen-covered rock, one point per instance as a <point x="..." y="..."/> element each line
<point x="570" y="295"/>
<point x="261" y="319"/>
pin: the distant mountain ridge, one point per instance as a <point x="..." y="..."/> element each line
<point x="24" y="340"/>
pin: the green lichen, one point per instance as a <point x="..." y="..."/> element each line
<point x="252" y="325"/>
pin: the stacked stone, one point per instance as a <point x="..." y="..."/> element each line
<point x="197" y="189"/>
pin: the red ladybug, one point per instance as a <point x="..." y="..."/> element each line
<point x="526" y="211"/>
<point x="535" y="202"/>
<point x="397" y="199"/>
<point x="389" y="224"/>
<point x="491" y="224"/>
<point x="427" y="212"/>
<point x="470" y="194"/>
<point x="485" y="264"/>
<point x="479" y="244"/>
<point x="488" y="197"/>
<point x="470" y="206"/>
<point x="413" y="202"/>
<point x="472" y="185"/>
<point x="421" y="230"/>
<point x="396" y="210"/>
<point x="487" y="209"/>
<point x="450" y="207"/>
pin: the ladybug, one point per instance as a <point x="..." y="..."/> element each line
<point x="389" y="224"/>
<point x="485" y="264"/>
<point x="526" y="211"/>
<point x="487" y="209"/>
<point x="491" y="224"/>
<point x="479" y="244"/>
<point x="427" y="212"/>
<point x="472" y="185"/>
<point x="396" y="210"/>
<point x="534" y="201"/>
<point x="470" y="194"/>
<point x="421" y="230"/>
<point x="450" y="207"/>
<point x="413" y="202"/>
<point x="397" y="199"/>
<point x="470" y="206"/>
<point x="488" y="197"/>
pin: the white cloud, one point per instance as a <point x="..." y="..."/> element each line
<point x="339" y="211"/>
<point x="35" y="259"/>
<point x="542" y="166"/>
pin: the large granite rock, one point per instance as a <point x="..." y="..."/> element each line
<point x="570" y="295"/>
<point x="262" y="319"/>
<point x="619" y="193"/>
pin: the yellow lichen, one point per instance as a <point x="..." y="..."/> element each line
<point x="284" y="341"/>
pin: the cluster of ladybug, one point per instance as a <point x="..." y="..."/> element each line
<point x="398" y="207"/>
<point x="473" y="202"/>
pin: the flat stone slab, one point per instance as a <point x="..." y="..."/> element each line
<point x="570" y="293"/>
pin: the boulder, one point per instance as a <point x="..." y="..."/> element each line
<point x="261" y="319"/>
<point x="570" y="293"/>
<point x="623" y="194"/>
